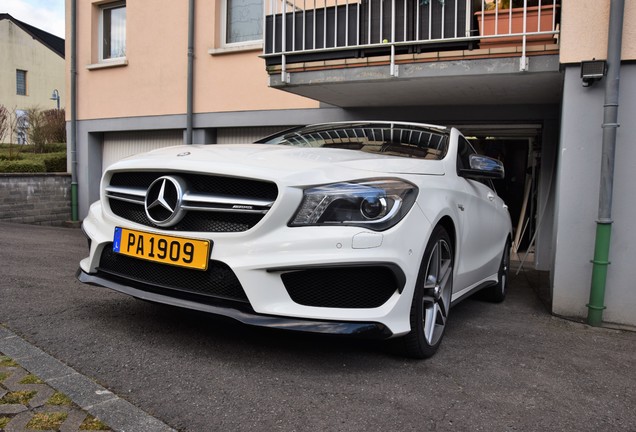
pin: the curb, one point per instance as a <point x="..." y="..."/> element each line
<point x="119" y="414"/>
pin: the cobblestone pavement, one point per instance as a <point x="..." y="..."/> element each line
<point x="28" y="403"/>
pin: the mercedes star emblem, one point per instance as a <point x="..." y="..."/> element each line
<point x="163" y="201"/>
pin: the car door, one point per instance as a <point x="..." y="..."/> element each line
<point x="481" y="228"/>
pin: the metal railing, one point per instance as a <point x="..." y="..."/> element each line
<point x="305" y="30"/>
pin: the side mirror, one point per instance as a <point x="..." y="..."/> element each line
<point x="483" y="167"/>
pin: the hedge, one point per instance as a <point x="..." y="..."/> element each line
<point x="55" y="162"/>
<point x="34" y="162"/>
<point x="22" y="166"/>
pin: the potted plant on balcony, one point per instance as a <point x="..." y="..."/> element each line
<point x="504" y="17"/>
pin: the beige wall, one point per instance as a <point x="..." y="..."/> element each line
<point x="154" y="80"/>
<point x="584" y="27"/>
<point x="45" y="69"/>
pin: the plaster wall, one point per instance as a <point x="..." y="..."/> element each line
<point x="45" y="70"/>
<point x="153" y="79"/>
<point x="577" y="195"/>
<point x="584" y="25"/>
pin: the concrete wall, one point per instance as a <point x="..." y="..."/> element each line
<point x="577" y="195"/>
<point x="41" y="199"/>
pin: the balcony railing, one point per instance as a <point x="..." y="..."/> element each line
<point x="306" y="30"/>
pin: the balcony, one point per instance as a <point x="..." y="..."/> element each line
<point x="350" y="53"/>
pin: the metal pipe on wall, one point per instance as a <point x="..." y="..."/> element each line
<point x="190" y="86"/>
<point x="610" y="125"/>
<point x="74" y="197"/>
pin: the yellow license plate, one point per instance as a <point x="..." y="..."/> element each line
<point x="178" y="251"/>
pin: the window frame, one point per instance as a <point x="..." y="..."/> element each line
<point x="100" y="32"/>
<point x="17" y="84"/>
<point x="224" y="27"/>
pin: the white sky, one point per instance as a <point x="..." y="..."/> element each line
<point x="47" y="15"/>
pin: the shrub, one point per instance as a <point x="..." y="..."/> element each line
<point x="55" y="162"/>
<point x="56" y="148"/>
<point x="54" y="126"/>
<point x="5" y="122"/>
<point x="10" y="157"/>
<point x="36" y="130"/>
<point x="19" y="166"/>
<point x="45" y="127"/>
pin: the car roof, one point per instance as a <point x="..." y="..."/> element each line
<point x="379" y="122"/>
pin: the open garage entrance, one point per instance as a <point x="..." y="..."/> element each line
<point x="520" y="148"/>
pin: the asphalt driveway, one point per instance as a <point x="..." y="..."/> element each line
<point x="501" y="367"/>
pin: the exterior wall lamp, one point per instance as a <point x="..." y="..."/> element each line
<point x="56" y="97"/>
<point x="592" y="71"/>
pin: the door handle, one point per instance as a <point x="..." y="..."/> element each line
<point x="490" y="196"/>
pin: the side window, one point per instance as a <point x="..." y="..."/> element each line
<point x="112" y="31"/>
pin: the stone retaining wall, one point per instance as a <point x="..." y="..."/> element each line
<point x="41" y="199"/>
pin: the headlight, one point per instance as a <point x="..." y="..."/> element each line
<point x="377" y="204"/>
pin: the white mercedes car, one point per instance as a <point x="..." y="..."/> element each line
<point x="356" y="228"/>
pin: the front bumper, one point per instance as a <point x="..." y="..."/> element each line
<point x="362" y="329"/>
<point x="262" y="256"/>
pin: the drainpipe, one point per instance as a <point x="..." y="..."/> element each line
<point x="610" y="125"/>
<point x="190" y="95"/>
<point x="74" y="211"/>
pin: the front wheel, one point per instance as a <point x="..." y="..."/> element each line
<point x="432" y="297"/>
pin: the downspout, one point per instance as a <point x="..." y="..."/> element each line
<point x="189" y="97"/>
<point x="610" y="125"/>
<point x="74" y="206"/>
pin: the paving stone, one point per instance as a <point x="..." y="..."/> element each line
<point x="12" y="408"/>
<point x="19" y="422"/>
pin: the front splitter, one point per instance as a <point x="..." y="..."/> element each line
<point x="361" y="329"/>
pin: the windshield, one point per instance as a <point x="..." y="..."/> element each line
<point x="391" y="139"/>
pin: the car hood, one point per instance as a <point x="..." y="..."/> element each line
<point x="276" y="162"/>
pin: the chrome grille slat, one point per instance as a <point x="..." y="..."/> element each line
<point x="223" y="210"/>
<point x="220" y="199"/>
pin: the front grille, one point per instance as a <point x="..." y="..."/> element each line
<point x="341" y="287"/>
<point x="208" y="220"/>
<point x="217" y="282"/>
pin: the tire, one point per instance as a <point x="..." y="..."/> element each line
<point x="497" y="292"/>
<point x="432" y="297"/>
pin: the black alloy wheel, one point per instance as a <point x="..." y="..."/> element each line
<point x="497" y="293"/>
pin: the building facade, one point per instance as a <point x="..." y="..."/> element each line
<point x="32" y="68"/>
<point x="260" y="66"/>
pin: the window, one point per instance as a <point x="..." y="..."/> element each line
<point x="21" y="82"/>
<point x="243" y="22"/>
<point x="22" y="125"/>
<point x="112" y="31"/>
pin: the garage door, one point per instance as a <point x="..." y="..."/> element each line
<point x="245" y="135"/>
<point x="118" y="145"/>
